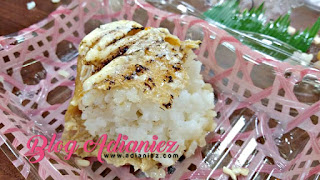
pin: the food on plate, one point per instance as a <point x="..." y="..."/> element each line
<point x="139" y="82"/>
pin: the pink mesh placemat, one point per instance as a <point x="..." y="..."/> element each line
<point x="267" y="110"/>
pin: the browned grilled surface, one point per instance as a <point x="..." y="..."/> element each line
<point x="142" y="58"/>
<point x="153" y="54"/>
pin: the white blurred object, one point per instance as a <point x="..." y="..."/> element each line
<point x="316" y="40"/>
<point x="55" y="1"/>
<point x="64" y="73"/>
<point x="313" y="4"/>
<point x="234" y="172"/>
<point x="291" y="30"/>
<point x="31" y="5"/>
<point x="300" y="58"/>
<point x="82" y="162"/>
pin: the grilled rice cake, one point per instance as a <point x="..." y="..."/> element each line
<point x="125" y="54"/>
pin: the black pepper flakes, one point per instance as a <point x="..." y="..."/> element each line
<point x="181" y="158"/>
<point x="176" y="68"/>
<point x="136" y="28"/>
<point x="171" y="169"/>
<point x="128" y="77"/>
<point x="140" y="68"/>
<point x="170" y="80"/>
<point x="112" y="83"/>
<point x="168" y="105"/>
<point x="146" y="84"/>
<point x="151" y="61"/>
<point x="121" y="50"/>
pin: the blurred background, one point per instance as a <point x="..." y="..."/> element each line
<point x="304" y="12"/>
<point x="19" y="14"/>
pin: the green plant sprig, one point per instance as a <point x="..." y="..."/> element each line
<point x="255" y="21"/>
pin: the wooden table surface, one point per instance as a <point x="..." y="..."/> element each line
<point x="15" y="16"/>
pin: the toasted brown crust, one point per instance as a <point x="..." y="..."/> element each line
<point x="134" y="58"/>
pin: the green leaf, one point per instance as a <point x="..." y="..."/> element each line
<point x="254" y="21"/>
